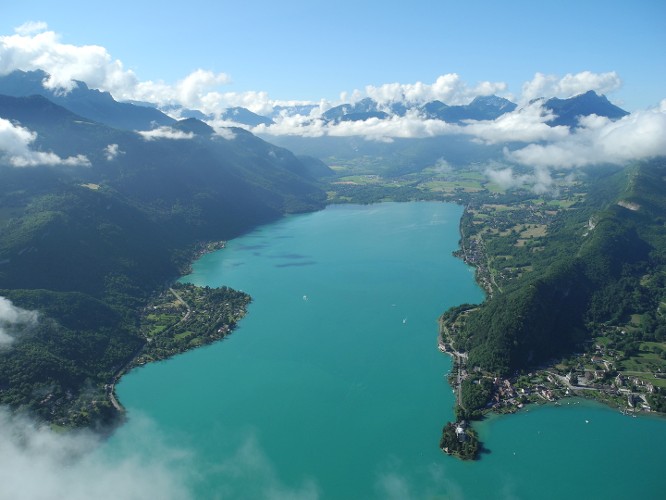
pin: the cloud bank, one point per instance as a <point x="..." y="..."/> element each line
<point x="448" y="88"/>
<point x="15" y="142"/>
<point x="599" y="140"/>
<point x="37" y="463"/>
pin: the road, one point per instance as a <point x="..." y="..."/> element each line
<point x="180" y="299"/>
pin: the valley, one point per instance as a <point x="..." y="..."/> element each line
<point x="565" y="313"/>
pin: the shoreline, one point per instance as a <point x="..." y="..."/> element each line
<point x="541" y="387"/>
<point x="217" y="332"/>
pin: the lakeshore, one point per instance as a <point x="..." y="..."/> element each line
<point x="550" y="384"/>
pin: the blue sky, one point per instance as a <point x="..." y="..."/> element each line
<point x="312" y="50"/>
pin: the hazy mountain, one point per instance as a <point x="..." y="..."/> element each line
<point x="363" y="110"/>
<point x="297" y="109"/>
<point x="89" y="103"/>
<point x="245" y="117"/>
<point x="221" y="185"/>
<point x="568" y="110"/>
<point x="177" y="110"/>
<point x="481" y="108"/>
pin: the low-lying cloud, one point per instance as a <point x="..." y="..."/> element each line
<point x="15" y="142"/>
<point x="13" y="320"/>
<point x="165" y="133"/>
<point x="37" y="463"/>
<point x="539" y="181"/>
<point x="528" y="124"/>
<point x="600" y="140"/>
<point x="448" y="88"/>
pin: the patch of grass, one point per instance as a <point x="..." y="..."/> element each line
<point x="183" y="335"/>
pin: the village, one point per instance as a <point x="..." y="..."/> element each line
<point x="591" y="375"/>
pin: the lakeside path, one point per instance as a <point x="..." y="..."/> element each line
<point x="459" y="359"/>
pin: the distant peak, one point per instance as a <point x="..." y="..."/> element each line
<point x="194" y="126"/>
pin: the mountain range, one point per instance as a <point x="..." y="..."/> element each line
<point x="102" y="107"/>
<point x="81" y="100"/>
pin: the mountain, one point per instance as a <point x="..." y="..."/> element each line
<point x="363" y="110"/>
<point x="601" y="266"/>
<point x="88" y="103"/>
<point x="175" y="109"/>
<point x="589" y="103"/>
<point x="291" y="110"/>
<point x="87" y="246"/>
<point x="481" y="108"/>
<point x="245" y="117"/>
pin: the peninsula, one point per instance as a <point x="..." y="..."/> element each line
<point x="575" y="299"/>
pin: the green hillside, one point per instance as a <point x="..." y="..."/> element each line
<point x="601" y="264"/>
<point x="89" y="247"/>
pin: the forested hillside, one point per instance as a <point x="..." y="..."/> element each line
<point x="84" y="246"/>
<point x="601" y="264"/>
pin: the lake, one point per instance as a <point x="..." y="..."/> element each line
<point x="333" y="387"/>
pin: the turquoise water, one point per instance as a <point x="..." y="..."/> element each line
<point x="333" y="387"/>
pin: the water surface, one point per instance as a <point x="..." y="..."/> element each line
<point x="332" y="386"/>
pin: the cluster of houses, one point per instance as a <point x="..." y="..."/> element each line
<point x="504" y="393"/>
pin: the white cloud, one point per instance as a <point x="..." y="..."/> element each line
<point x="31" y="27"/>
<point x="194" y="91"/>
<point x="112" y="151"/>
<point x="37" y="463"/>
<point x="448" y="88"/>
<point x="15" y="149"/>
<point x="31" y="49"/>
<point x="526" y="124"/>
<point x="12" y="320"/>
<point x="257" y="102"/>
<point x="569" y="85"/>
<point x="599" y="140"/>
<point x="165" y="133"/>
<point x="539" y="181"/>
<point x="225" y="133"/>
<point x="141" y="462"/>
<point x="506" y="179"/>
<point x="411" y="125"/>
